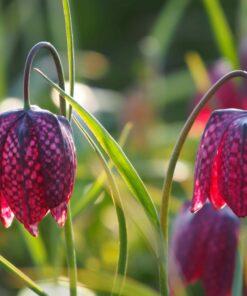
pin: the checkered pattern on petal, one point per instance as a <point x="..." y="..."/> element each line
<point x="7" y="120"/>
<point x="216" y="126"/>
<point x="69" y="167"/>
<point x="57" y="152"/>
<point x="203" y="248"/>
<point x="218" y="271"/>
<point x="52" y="154"/>
<point x="37" y="167"/>
<point x="190" y="234"/>
<point x="21" y="175"/>
<point x="232" y="166"/>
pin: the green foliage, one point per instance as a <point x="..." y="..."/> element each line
<point x="222" y="32"/>
<point x="116" y="154"/>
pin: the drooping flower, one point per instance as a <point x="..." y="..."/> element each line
<point x="203" y="248"/>
<point x="37" y="167"/>
<point x="221" y="163"/>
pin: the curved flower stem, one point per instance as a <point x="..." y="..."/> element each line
<point x="28" y="66"/>
<point x="14" y="270"/>
<point x="179" y="144"/>
<point x="68" y="225"/>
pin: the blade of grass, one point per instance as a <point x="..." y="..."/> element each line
<point x="242" y="20"/>
<point x="222" y="32"/>
<point x="166" y="24"/>
<point x="17" y="272"/>
<point x="102" y="282"/>
<point x="3" y="60"/>
<point x="123" y="240"/>
<point x="198" y="71"/>
<point x="97" y="187"/>
<point x="129" y="174"/>
<point x="115" y="152"/>
<point x="70" y="47"/>
<point x="69" y="234"/>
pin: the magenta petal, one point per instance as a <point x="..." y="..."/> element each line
<point x="214" y="130"/>
<point x="60" y="214"/>
<point x="190" y="234"/>
<point x="6" y="215"/>
<point x="215" y="195"/>
<point x="69" y="155"/>
<point x="232" y="170"/>
<point x="7" y="120"/>
<point x="37" y="167"/>
<point x="57" y="153"/>
<point x="203" y="248"/>
<point x="21" y="174"/>
<point x="219" y="267"/>
<point x="33" y="229"/>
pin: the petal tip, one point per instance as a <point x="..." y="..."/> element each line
<point x="60" y="214"/>
<point x="33" y="229"/>
<point x="7" y="218"/>
<point x="196" y="207"/>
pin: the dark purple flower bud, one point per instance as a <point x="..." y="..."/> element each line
<point x="203" y="247"/>
<point x="221" y="164"/>
<point x="38" y="165"/>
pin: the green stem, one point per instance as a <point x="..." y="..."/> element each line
<point x="14" y="270"/>
<point x="123" y="239"/>
<point x="68" y="226"/>
<point x="70" y="47"/>
<point x="69" y="237"/>
<point x="178" y="146"/>
<point x="28" y="66"/>
<point x="71" y="256"/>
<point x="162" y="262"/>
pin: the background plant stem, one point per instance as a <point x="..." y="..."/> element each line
<point x="69" y="236"/>
<point x="71" y="256"/>
<point x="70" y="48"/>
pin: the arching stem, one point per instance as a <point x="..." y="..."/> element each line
<point x="28" y="67"/>
<point x="69" y="237"/>
<point x="179" y="145"/>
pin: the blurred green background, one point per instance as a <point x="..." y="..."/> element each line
<point x="138" y="61"/>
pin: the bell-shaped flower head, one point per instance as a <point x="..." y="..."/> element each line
<point x="203" y="247"/>
<point x="37" y="167"/>
<point x="221" y="163"/>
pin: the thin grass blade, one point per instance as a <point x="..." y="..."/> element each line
<point x="22" y="276"/>
<point x="222" y="32"/>
<point x="123" y="241"/>
<point x="96" y="188"/>
<point x="166" y="24"/>
<point x="102" y="282"/>
<point x="116" y="154"/>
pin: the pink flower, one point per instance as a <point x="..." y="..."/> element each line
<point x="221" y="164"/>
<point x="203" y="247"/>
<point x="38" y="164"/>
